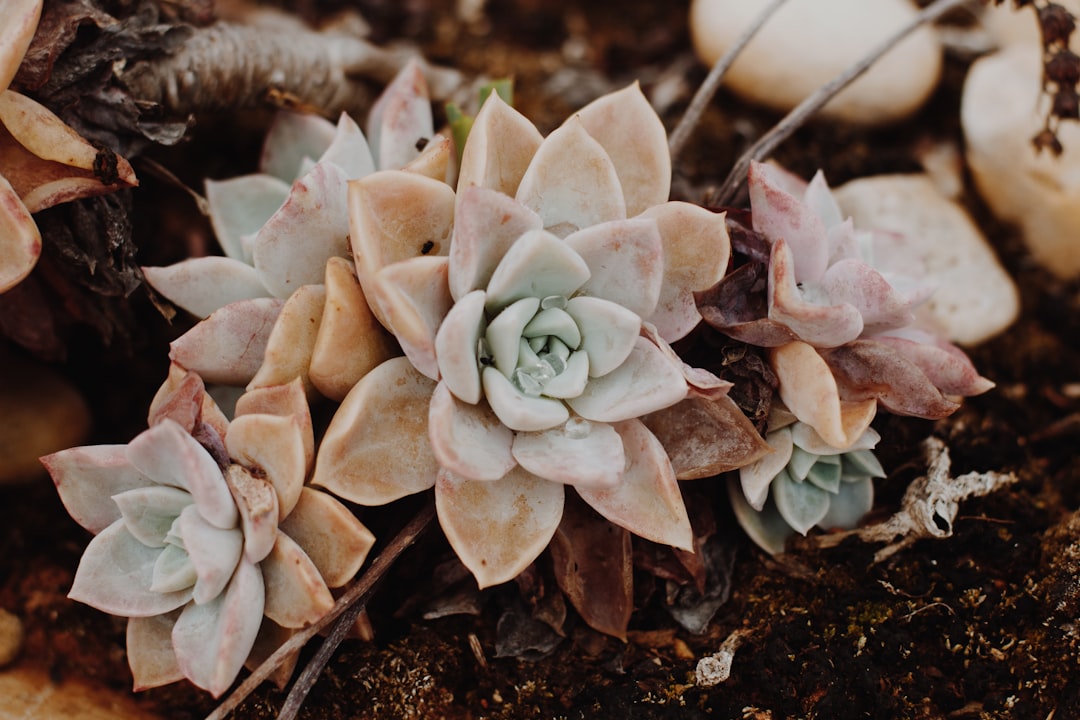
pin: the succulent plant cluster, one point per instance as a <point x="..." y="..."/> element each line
<point x="499" y="331"/>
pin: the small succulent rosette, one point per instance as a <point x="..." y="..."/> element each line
<point x="836" y="314"/>
<point x="804" y="483"/>
<point x="534" y="308"/>
<point x="206" y="537"/>
<point x="280" y="227"/>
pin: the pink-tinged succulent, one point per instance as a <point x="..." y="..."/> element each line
<point x="534" y="310"/>
<point x="278" y="237"/>
<point x="205" y="536"/>
<point x="805" y="482"/>
<point x="839" y="329"/>
<point x="43" y="162"/>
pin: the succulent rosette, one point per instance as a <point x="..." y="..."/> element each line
<point x="805" y="482"/>
<point x="205" y="536"/>
<point x="534" y="309"/>
<point x="279" y="228"/>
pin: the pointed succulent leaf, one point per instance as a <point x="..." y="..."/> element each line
<point x="696" y="250"/>
<point x="853" y="282"/>
<point x="274" y="446"/>
<point x="115" y="574"/>
<point x="861" y="463"/>
<point x="414" y="297"/>
<point x="180" y="398"/>
<point x="86" y="479"/>
<point x="944" y="364"/>
<point x="173" y="570"/>
<point x="503" y="333"/>
<point x="498" y="528"/>
<point x="646" y="382"/>
<point x="257" y="503"/>
<point x="626" y="263"/>
<point x="647" y="501"/>
<point x="213" y="640"/>
<point x="401" y="118"/>
<point x="20" y="240"/>
<point x="456" y="345"/>
<point x="150" y="651"/>
<point x="735" y="307"/>
<point x="228" y="347"/>
<point x="293" y="140"/>
<point x="214" y="553"/>
<point x="292" y="340"/>
<point x="538" y="265"/>
<point x="808" y="389"/>
<point x="825" y="474"/>
<point x="808" y="439"/>
<point x="631" y="133"/>
<point x="376" y="448"/>
<point x="579" y="453"/>
<point x="349" y="150"/>
<point x="486" y="224"/>
<point x="170" y="456"/>
<point x="821" y="325"/>
<point x="802" y="505"/>
<point x="820" y="199"/>
<point x="573" y="380"/>
<point x="571" y="182"/>
<point x="239" y="206"/>
<point x="149" y="512"/>
<point x="296" y="594"/>
<point x="434" y="160"/>
<point x="756" y="478"/>
<point x="286" y="401"/>
<point x="468" y="440"/>
<point x="518" y="411"/>
<point x="202" y="285"/>
<point x="766" y="527"/>
<point x="500" y="147"/>
<point x="801" y="461"/>
<point x="848" y="506"/>
<point x="609" y="332"/>
<point x="20" y="20"/>
<point x="331" y="536"/>
<point x="778" y="215"/>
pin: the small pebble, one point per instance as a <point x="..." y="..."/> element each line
<point x="1008" y="25"/>
<point x="974" y="298"/>
<point x="808" y="42"/>
<point x="11" y="637"/>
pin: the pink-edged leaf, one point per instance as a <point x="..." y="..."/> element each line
<point x="468" y="440"/>
<point x="167" y="454"/>
<point x="240" y="206"/>
<point x="331" y="536"/>
<point x="86" y="478"/>
<point x="202" y="285"/>
<point x="853" y="282"/>
<point x="579" y="453"/>
<point x="498" y="528"/>
<point x="274" y="447"/>
<point x="401" y="118"/>
<point x="292" y="248"/>
<point x="705" y="435"/>
<point x="781" y="216"/>
<point x="806" y="437"/>
<point x="696" y="250"/>
<point x="737" y="306"/>
<point x="868" y="370"/>
<point x="501" y="144"/>
<point x="632" y="135"/>
<point x="413" y="297"/>
<point x="150" y="651"/>
<point x="257" y="503"/>
<point x="648" y="381"/>
<point x="213" y="640"/>
<point x="115" y="575"/>
<point x="296" y="595"/>
<point x="292" y="340"/>
<point x="376" y="448"/>
<point x="349" y="150"/>
<point x="456" y="344"/>
<point x="945" y="365"/>
<point x="434" y="160"/>
<point x="486" y="224"/>
<point x="293" y="140"/>
<point x="149" y="512"/>
<point x="228" y="347"/>
<point x="593" y="565"/>
<point x="16" y="32"/>
<point x="626" y="263"/>
<point x="350" y="341"/>
<point x="647" y="501"/>
<point x="214" y="552"/>
<point x="286" y="400"/>
<point x="20" y="241"/>
<point x="820" y="199"/>
<point x="757" y="477"/>
<point x="571" y="182"/>
<point x="183" y="398"/>
<point x="819" y="324"/>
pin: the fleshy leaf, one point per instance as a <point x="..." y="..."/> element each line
<point x="847" y="507"/>
<point x="331" y="536"/>
<point x="756" y="479"/>
<point x="115" y="575"/>
<point x="149" y="512"/>
<point x="214" y="553"/>
<point x="349" y="150"/>
<point x="802" y="505"/>
<point x="86" y="478"/>
<point x="609" y="332"/>
<point x="536" y="266"/>
<point x="626" y="263"/>
<point x="202" y="285"/>
<point x="648" y="381"/>
<point x="296" y="595"/>
<point x="150" y="651"/>
<point x="376" y="448"/>
<point x="456" y="344"/>
<point x="578" y="453"/>
<point x="500" y="147"/>
<point x="401" y="118"/>
<point x="274" y="445"/>
<point x="808" y="389"/>
<point x="647" y="501"/>
<point x="498" y="528"/>
<point x="518" y="411"/>
<point x="285" y="400"/>
<point x="855" y="283"/>
<point x="414" y="297"/>
<point x="228" y="346"/>
<point x="293" y="140"/>
<point x="821" y="325"/>
<point x="766" y="528"/>
<point x="944" y="364"/>
<point x="240" y="206"/>
<point x="779" y="215"/>
<point x="468" y="440"/>
<point x="20" y="240"/>
<point x="20" y="20"/>
<point x="257" y="503"/>
<point x="292" y="339"/>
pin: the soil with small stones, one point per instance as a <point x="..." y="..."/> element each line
<point x="979" y="625"/>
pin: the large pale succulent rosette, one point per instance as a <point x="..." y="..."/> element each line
<point x="206" y="537"/>
<point x="535" y="309"/>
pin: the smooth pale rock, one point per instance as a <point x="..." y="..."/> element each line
<point x="1002" y="109"/>
<point x="974" y="298"/>
<point x="28" y="693"/>
<point x="808" y="42"/>
<point x="1008" y="26"/>
<point x="12" y="635"/>
<point x="41" y="414"/>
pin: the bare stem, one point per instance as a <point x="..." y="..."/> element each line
<point x="353" y="601"/>
<point x="711" y="84"/>
<point x="795" y="119"/>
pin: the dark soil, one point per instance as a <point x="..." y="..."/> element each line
<point x="980" y="625"/>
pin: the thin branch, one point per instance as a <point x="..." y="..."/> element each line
<point x="711" y="84"/>
<point x="795" y="119"/>
<point x="353" y="598"/>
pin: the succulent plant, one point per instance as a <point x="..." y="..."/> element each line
<point x="535" y="309"/>
<point x="803" y="483"/>
<point x="43" y="162"/>
<point x="206" y="538"/>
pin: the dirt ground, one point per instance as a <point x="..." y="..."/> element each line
<point x="980" y="625"/>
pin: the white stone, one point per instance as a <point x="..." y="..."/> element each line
<point x="1002" y="109"/>
<point x="974" y="298"/>
<point x="808" y="42"/>
<point x="1009" y="26"/>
